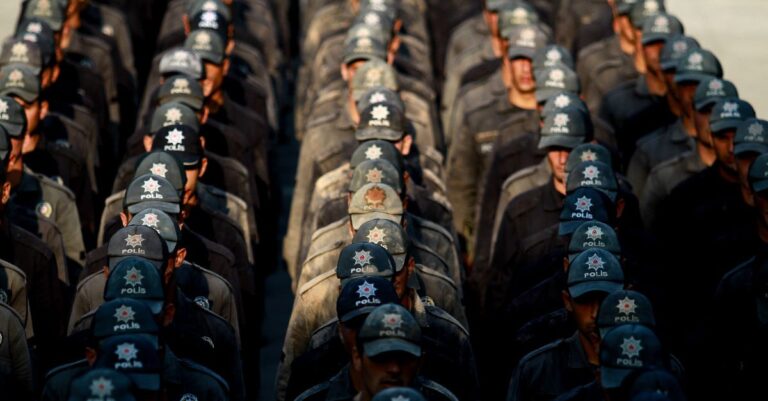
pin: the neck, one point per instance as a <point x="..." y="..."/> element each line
<point x="559" y="186"/>
<point x="627" y="46"/>
<point x="706" y="154"/>
<point x="590" y="350"/>
<point x="688" y="125"/>
<point x="656" y="86"/>
<point x="525" y="101"/>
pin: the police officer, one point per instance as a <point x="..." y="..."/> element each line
<point x="748" y="143"/>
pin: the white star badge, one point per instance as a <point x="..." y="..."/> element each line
<point x="175" y="137"/>
<point x="583" y="204"/>
<point x="133" y="277"/>
<point x="561" y="120"/>
<point x="362" y="258"/>
<point x="101" y="387"/>
<point x="150" y="220"/>
<point x="151" y="186"/>
<point x="124" y="314"/>
<point x="126" y="352"/>
<point x="173" y="116"/>
<point x="591" y="173"/>
<point x="373" y="153"/>
<point x="631" y="347"/>
<point x="392" y="321"/>
<point x="626" y="306"/>
<point x="377" y="97"/>
<point x="134" y="240"/>
<point x="374" y="175"/>
<point x="366" y="290"/>
<point x="594" y="233"/>
<point x="595" y="263"/>
<point x="3" y="106"/>
<point x="380" y="113"/>
<point x="376" y="236"/>
<point x="588" y="156"/>
<point x="159" y="169"/>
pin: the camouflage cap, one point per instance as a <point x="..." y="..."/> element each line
<point x="498" y="5"/>
<point x="381" y="121"/>
<point x="372" y="74"/>
<point x="173" y="113"/>
<point x="567" y="128"/>
<point x="151" y="191"/>
<point x="751" y="137"/>
<point x="360" y="295"/>
<point x="164" y="165"/>
<point x="624" y="6"/>
<point x="390" y="328"/>
<point x="674" y="49"/>
<point x="182" y="89"/>
<point x="390" y="236"/>
<point x="20" y="51"/>
<point x="376" y="150"/>
<point x="514" y="15"/>
<point x="162" y="223"/>
<point x="661" y="27"/>
<point x="133" y="355"/>
<point x="212" y="21"/>
<point x="643" y="10"/>
<point x="382" y="21"/>
<point x="582" y="205"/>
<point x="593" y="174"/>
<point x="378" y="171"/>
<point x="588" y="152"/>
<point x="758" y="174"/>
<point x="696" y="65"/>
<point x="552" y="56"/>
<point x="728" y="113"/>
<point x="181" y="60"/>
<point x="364" y="259"/>
<point x="656" y="382"/>
<point x="208" y="44"/>
<point x="623" y="307"/>
<point x="13" y="118"/>
<point x="363" y="48"/>
<point x="380" y="94"/>
<point x="525" y="40"/>
<point x="198" y="6"/>
<point x="563" y="100"/>
<point x="101" y="384"/>
<point x="710" y="90"/>
<point x="137" y="241"/>
<point x="375" y="201"/>
<point x="123" y="316"/>
<point x="50" y="11"/>
<point x="593" y="234"/>
<point x="594" y="270"/>
<point x="182" y="141"/>
<point x="388" y="7"/>
<point x="551" y="81"/>
<point x="19" y="80"/>
<point x="363" y="30"/>
<point x="398" y="394"/>
<point x="626" y="349"/>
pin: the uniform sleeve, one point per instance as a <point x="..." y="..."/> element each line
<point x="637" y="172"/>
<point x="297" y="336"/>
<point x="68" y="221"/>
<point x="20" y="359"/>
<point x="515" y="391"/>
<point x="462" y="175"/>
<point x="650" y="199"/>
<point x="80" y="306"/>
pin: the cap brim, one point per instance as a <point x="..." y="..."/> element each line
<point x="703" y="104"/>
<point x="27" y="96"/>
<point x="653" y="37"/>
<point x="564" y="141"/>
<point x="723" y="125"/>
<point x="544" y="94"/>
<point x="690" y="77"/>
<point x="173" y="70"/>
<point x="145" y="381"/>
<point x="378" y="347"/>
<point x="189" y="160"/>
<point x="365" y="310"/>
<point x="115" y="260"/>
<point x="360" y="219"/>
<point x="742" y="148"/>
<point x="360" y="56"/>
<point x="668" y="65"/>
<point x="167" y="207"/>
<point x="386" y="134"/>
<point x="211" y="56"/>
<point x="13" y="130"/>
<point x="521" y="52"/>
<point x="582" y="288"/>
<point x="613" y="377"/>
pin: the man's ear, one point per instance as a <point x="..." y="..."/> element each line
<point x="90" y="356"/>
<point x="181" y="254"/>
<point x="620" y="204"/>
<point x="344" y="72"/>
<point x="169" y="312"/>
<point x="204" y="114"/>
<point x="225" y="66"/>
<point x="6" y="193"/>
<point x="567" y="301"/>
<point x="148" y="139"/>
<point x="187" y="27"/>
<point x="406" y="144"/>
<point x="124" y="219"/>
<point x="43" y="109"/>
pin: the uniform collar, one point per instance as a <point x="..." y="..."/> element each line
<point x="28" y="183"/>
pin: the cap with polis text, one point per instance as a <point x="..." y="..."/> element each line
<point x="751" y="137"/>
<point x="360" y="295"/>
<point x="363" y="30"/>
<point x="212" y="21"/>
<point x="181" y="60"/>
<point x="525" y="40"/>
<point x="728" y="113"/>
<point x="378" y="171"/>
<point x="593" y="174"/>
<point x="12" y="117"/>
<point x="758" y="174"/>
<point x="584" y="204"/>
<point x="151" y="191"/>
<point x="103" y="384"/>
<point x="626" y="349"/>
<point x="363" y="48"/>
<point x="594" y="270"/>
<point x="643" y="10"/>
<point x="44" y="43"/>
<point x="375" y="201"/>
<point x="173" y="113"/>
<point x="380" y="94"/>
<point x="381" y="21"/>
<point x="398" y="394"/>
<point x="624" y="6"/>
<point x="593" y="234"/>
<point x="50" y="11"/>
<point x="567" y="128"/>
<point x="137" y="279"/>
<point x="199" y="6"/>
<point x="696" y="65"/>
<point x="390" y="328"/>
<point x="163" y="164"/>
<point x="37" y="27"/>
<point x="562" y="100"/>
<point x="661" y="27"/>
<point x="552" y="56"/>
<point x="656" y="382"/>
<point x="588" y="152"/>
<point x="20" y="51"/>
<point x="123" y="316"/>
<point x="674" y="49"/>
<point x="498" y="5"/>
<point x="376" y="150"/>
<point x="623" y="307"/>
<point x="519" y="14"/>
<point x="21" y="81"/>
<point x="381" y="121"/>
<point x="133" y="355"/>
<point x="181" y="141"/>
<point x="182" y="89"/>
<point x="550" y="81"/>
<point x="387" y="234"/>
<point x="208" y="44"/>
<point x="137" y="241"/>
<point x="161" y="222"/>
<point x="712" y="89"/>
<point x="372" y="74"/>
<point x="364" y="259"/>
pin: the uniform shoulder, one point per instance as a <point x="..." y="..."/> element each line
<point x="316" y="393"/>
<point x="481" y="71"/>
<point x="53" y="186"/>
<point x="66" y="368"/>
<point x="11" y="312"/>
<point x="428" y="225"/>
<point x="594" y="49"/>
<point x="667" y="166"/>
<point x="324" y="333"/>
<point x="334" y="176"/>
<point x="87" y="280"/>
<point x="524" y="202"/>
<point x="330" y="227"/>
<point x="439" y="314"/>
<point x="323" y="248"/>
<point x="434" y="274"/>
<point x="309" y="285"/>
<point x="219" y="250"/>
<point x="540" y="354"/>
<point x="212" y="275"/>
<point x="436" y="391"/>
<point x="26" y="239"/>
<point x="519" y="175"/>
<point x="10" y="267"/>
<point x="475" y="96"/>
<point x="202" y="370"/>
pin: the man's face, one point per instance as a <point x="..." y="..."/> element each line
<point x="651" y="54"/>
<point x="686" y="91"/>
<point x="15" y="160"/>
<point x="626" y="30"/>
<point x="522" y="75"/>
<point x="701" y="121"/>
<point x="584" y="311"/>
<point x="389" y="369"/>
<point x="214" y="77"/>
<point x="557" y="158"/>
<point x="193" y="175"/>
<point x="722" y="142"/>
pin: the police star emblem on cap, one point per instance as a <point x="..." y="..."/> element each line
<point x="380" y="113"/>
<point x="377" y="97"/>
<point x="626" y="306"/>
<point x="588" y="156"/>
<point x="180" y="85"/>
<point x="366" y="290"/>
<point x="19" y="53"/>
<point x="716" y="85"/>
<point x="362" y="258"/>
<point x="591" y="172"/>
<point x="554" y="56"/>
<point x="583" y="204"/>
<point x="15" y="78"/>
<point x="731" y="108"/>
<point x="35" y="27"/>
<point x="372" y="19"/>
<point x="375" y="197"/>
<point x="392" y="321"/>
<point x="151" y="186"/>
<point x="210" y="6"/>
<point x="694" y="61"/>
<point x="755" y="129"/>
<point x="562" y="101"/>
<point x="134" y="240"/>
<point x="102" y="388"/>
<point x="175" y="137"/>
<point x="133" y="277"/>
<point x="374" y="175"/>
<point x="126" y="352"/>
<point x="188" y="397"/>
<point x="557" y="75"/>
<point x="561" y="120"/>
<point x="594" y="233"/>
<point x="159" y="169"/>
<point x="173" y="116"/>
<point x="43" y="9"/>
<point x="631" y="347"/>
<point x="373" y="153"/>
<point x="377" y="236"/>
<point x="400" y="398"/>
<point x="124" y="314"/>
<point x="595" y="263"/>
<point x="150" y="220"/>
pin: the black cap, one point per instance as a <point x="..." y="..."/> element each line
<point x="593" y="234"/>
<point x="19" y="80"/>
<point x="390" y="328"/>
<point x="623" y="307"/>
<point x="758" y="174"/>
<point x="12" y="117"/>
<point x="208" y="44"/>
<point x="197" y="6"/>
<point x="751" y="136"/>
<point x="378" y="171"/>
<point x="123" y="316"/>
<point x="584" y="204"/>
<point x="360" y="295"/>
<point x="37" y="27"/>
<point x="514" y="15"/>
<point x="658" y="382"/>
<point x="550" y="81"/>
<point x="181" y="60"/>
<point x="133" y="355"/>
<point x="380" y="94"/>
<point x="674" y="49"/>
<point x="161" y="222"/>
<point x="661" y="27"/>
<point x="151" y="191"/>
<point x="182" y="89"/>
<point x="20" y="51"/>
<point x="137" y="279"/>
<point x="728" y="114"/>
<point x="174" y="113"/>
<point x="213" y="21"/>
<point x="626" y="349"/>
<point x="594" y="270"/>
<point x="552" y="56"/>
<point x="364" y="259"/>
<point x="398" y="394"/>
<point x="567" y="128"/>
<point x="377" y="150"/>
<point x="643" y="10"/>
<point x="163" y="164"/>
<point x="101" y="384"/>
<point x="710" y="90"/>
<point x="50" y="11"/>
<point x="588" y="152"/>
<point x="563" y="100"/>
<point x="44" y="43"/>
<point x="181" y="141"/>
<point x="525" y="40"/>
<point x="624" y="6"/>
<point x="387" y="234"/>
<point x="381" y="121"/>
<point x="593" y="174"/>
<point x="696" y="65"/>
<point x="137" y="241"/>
<point x="363" y="48"/>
